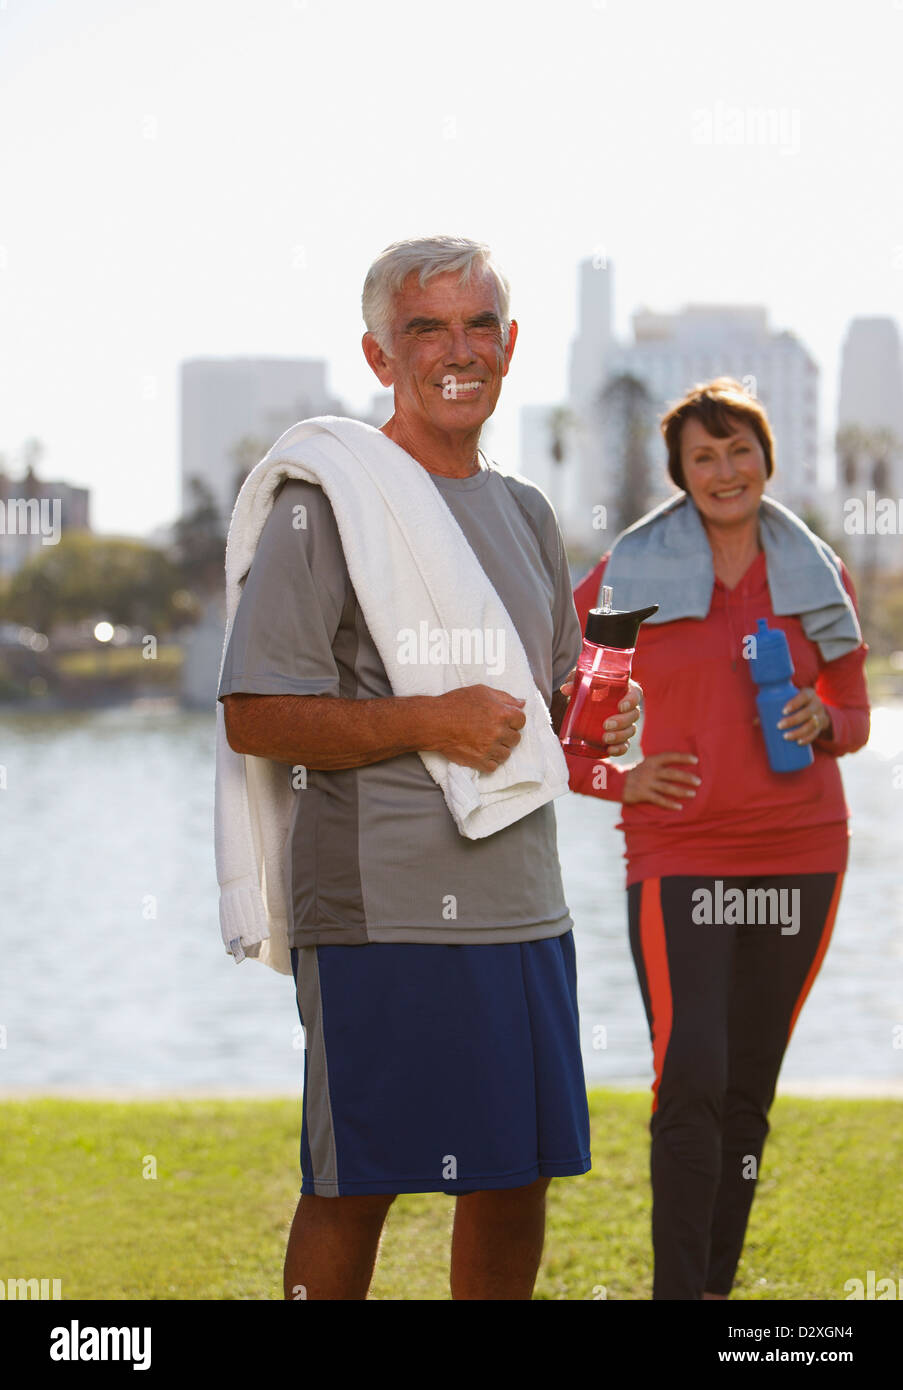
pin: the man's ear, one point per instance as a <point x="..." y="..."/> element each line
<point x="377" y="359"/>
<point x="509" y="346"/>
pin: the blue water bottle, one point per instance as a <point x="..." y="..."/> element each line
<point x="772" y="668"/>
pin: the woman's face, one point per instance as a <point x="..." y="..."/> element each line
<point x="724" y="477"/>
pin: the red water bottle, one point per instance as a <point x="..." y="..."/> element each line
<point x="603" y="671"/>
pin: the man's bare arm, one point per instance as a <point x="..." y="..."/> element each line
<point x="476" y="726"/>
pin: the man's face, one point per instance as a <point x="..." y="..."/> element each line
<point x="447" y="356"/>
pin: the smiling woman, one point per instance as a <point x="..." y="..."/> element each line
<point x="721" y="451"/>
<point x="706" y="819"/>
<point x="720" y="407"/>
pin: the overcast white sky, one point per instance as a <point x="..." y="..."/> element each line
<point x="207" y="177"/>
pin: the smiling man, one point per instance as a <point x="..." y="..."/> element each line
<point x="435" y="973"/>
<point x="448" y="357"/>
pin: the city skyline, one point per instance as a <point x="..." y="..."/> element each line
<point x="315" y="376"/>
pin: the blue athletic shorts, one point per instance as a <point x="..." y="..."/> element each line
<point x="440" y="1068"/>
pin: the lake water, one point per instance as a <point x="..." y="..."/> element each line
<point x="113" y="973"/>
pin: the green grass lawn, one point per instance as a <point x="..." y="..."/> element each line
<point x="212" y="1224"/>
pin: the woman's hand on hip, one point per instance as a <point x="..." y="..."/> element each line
<point x="655" y="780"/>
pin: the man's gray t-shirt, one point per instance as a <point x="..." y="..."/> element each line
<point x="373" y="853"/>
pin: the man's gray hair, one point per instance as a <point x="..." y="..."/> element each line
<point x="431" y="255"/>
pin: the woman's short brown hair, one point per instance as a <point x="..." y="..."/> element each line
<point x="718" y="405"/>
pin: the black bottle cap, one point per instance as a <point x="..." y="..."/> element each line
<point x="616" y="629"/>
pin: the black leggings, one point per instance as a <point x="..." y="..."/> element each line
<point x="724" y="975"/>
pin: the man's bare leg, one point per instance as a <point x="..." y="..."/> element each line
<point x="332" y="1246"/>
<point x="497" y="1242"/>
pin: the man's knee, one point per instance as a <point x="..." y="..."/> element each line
<point x="501" y="1197"/>
<point x="365" y="1208"/>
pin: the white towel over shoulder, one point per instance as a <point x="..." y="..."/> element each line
<point x="410" y="563"/>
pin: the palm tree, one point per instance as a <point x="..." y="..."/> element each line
<point x="882" y="444"/>
<point x="864" y="460"/>
<point x="864" y="456"/>
<point x="560" y="422"/>
<point x="245" y="455"/>
<point x="199" y="541"/>
<point x="627" y="408"/>
<point x="849" y="444"/>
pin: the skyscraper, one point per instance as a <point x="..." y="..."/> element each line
<point x="668" y="354"/>
<point x="868" y="507"/>
<point x="228" y="400"/>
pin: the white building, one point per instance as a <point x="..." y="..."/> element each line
<point x="868" y="502"/>
<point x="35" y="514"/>
<point x="668" y="354"/>
<point x="228" y="400"/>
<point x="583" y="485"/>
<point x="671" y="352"/>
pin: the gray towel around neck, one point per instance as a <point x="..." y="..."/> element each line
<point x="665" y="558"/>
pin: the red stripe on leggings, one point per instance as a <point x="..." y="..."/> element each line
<point x="819" y="954"/>
<point x="658" y="980"/>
